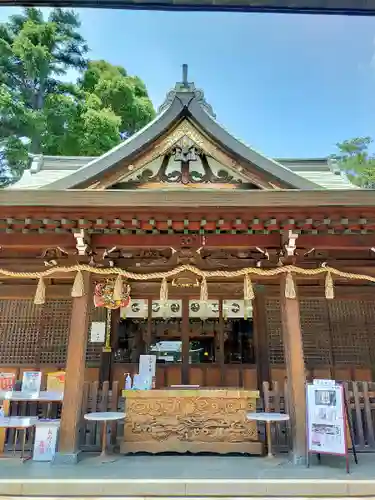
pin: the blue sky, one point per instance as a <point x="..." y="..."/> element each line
<point x="288" y="85"/>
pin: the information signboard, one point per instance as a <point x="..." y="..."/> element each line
<point x="326" y="418"/>
<point x="31" y="382"/>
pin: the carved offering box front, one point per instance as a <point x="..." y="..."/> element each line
<point x="190" y="420"/>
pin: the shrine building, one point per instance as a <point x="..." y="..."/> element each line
<point x="204" y="232"/>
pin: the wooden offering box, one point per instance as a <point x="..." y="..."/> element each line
<point x="190" y="420"/>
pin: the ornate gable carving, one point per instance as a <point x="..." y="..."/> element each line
<point x="187" y="158"/>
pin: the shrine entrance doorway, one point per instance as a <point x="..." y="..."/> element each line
<point x="210" y="352"/>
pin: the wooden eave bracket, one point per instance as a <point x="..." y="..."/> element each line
<point x="290" y="244"/>
<point x="82" y="242"/>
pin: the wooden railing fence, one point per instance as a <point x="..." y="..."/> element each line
<point x="360" y="397"/>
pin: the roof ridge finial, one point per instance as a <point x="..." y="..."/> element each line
<point x="185" y="82"/>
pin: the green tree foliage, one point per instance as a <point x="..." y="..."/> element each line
<point x="34" y="54"/>
<point x="356" y="161"/>
<point x="42" y="113"/>
<point x="125" y="95"/>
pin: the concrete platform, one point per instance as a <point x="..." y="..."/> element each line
<point x="189" y="476"/>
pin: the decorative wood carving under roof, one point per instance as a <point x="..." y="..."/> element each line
<point x="184" y="157"/>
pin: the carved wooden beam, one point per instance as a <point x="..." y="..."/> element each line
<point x="104" y="241"/>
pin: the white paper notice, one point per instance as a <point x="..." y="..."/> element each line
<point x="147" y="365"/>
<point x="326" y="419"/>
<point x="97" y="333"/>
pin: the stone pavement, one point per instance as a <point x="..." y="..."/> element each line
<point x="193" y="476"/>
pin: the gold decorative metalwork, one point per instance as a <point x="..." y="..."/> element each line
<point x="185" y="282"/>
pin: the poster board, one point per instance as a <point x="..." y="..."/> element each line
<point x="31" y="382"/>
<point x="326" y="418"/>
<point x="7" y="381"/>
<point x="55" y="381"/>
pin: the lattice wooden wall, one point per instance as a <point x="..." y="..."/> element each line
<point x="54" y="331"/>
<point x="19" y="331"/>
<point x="352" y="325"/>
<point x="35" y="335"/>
<point x="275" y="338"/>
<point x="315" y="332"/>
<point x="336" y="331"/>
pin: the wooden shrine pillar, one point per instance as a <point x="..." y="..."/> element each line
<point x="75" y="376"/>
<point x="221" y="344"/>
<point x="106" y="357"/>
<point x="185" y="338"/>
<point x="261" y="337"/>
<point x="295" y="369"/>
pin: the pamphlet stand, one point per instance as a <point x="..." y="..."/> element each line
<point x="328" y="421"/>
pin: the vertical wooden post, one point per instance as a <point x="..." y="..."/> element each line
<point x="106" y="358"/>
<point x="295" y="368"/>
<point x="75" y="376"/>
<point x="221" y="353"/>
<point x="3" y="432"/>
<point x="261" y="338"/>
<point x="332" y="363"/>
<point x="148" y="339"/>
<point x="185" y="337"/>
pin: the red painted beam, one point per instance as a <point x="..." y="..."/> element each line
<point x="50" y="240"/>
<point x="336" y="241"/>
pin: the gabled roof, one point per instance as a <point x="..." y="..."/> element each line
<point x="46" y="170"/>
<point x="184" y="101"/>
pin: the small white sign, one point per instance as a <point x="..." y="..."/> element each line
<point x="45" y="441"/>
<point x="147" y="365"/>
<point x="324" y="382"/>
<point x="97" y="333"/>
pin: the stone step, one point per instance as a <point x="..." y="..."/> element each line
<point x="195" y="489"/>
